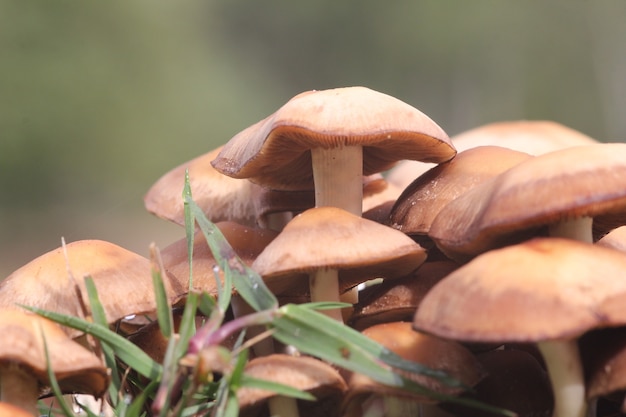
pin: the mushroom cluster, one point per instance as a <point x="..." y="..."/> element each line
<point x="482" y="265"/>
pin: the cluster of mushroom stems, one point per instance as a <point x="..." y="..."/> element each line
<point x="495" y="256"/>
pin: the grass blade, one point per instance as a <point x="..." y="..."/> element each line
<point x="189" y="226"/>
<point x="124" y="349"/>
<point x="164" y="310"/>
<point x="247" y="282"/>
<point x="278" y="388"/>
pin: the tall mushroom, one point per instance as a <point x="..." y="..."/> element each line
<point x="331" y="138"/>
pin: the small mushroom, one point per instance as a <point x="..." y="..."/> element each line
<point x="23" y="364"/>
<point x="301" y="372"/>
<point x="336" y="250"/>
<point x="450" y="357"/>
<point x="123" y="280"/>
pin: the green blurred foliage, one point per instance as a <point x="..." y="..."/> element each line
<point x="98" y="99"/>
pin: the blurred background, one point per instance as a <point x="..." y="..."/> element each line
<point x="99" y="99"/>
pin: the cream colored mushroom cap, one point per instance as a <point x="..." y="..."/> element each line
<point x="542" y="289"/>
<point x="275" y="151"/>
<point x="331" y="238"/>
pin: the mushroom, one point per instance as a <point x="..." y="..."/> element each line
<point x="514" y="381"/>
<point x="558" y="193"/>
<point x="421" y="201"/>
<point x="534" y="137"/>
<point x="23" y="364"/>
<point x="365" y="395"/>
<point x="615" y="239"/>
<point x="220" y="197"/>
<point x="123" y="280"/>
<point x="331" y="138"/>
<point x="336" y="250"/>
<point x="545" y="290"/>
<point x="303" y="373"/>
<point x="397" y="299"/>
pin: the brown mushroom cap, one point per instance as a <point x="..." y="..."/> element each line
<point x="515" y="381"/>
<point x="303" y="373"/>
<point x="615" y="239"/>
<point x="433" y="352"/>
<point x="123" y="280"/>
<point x="397" y="299"/>
<point x="421" y="201"/>
<point x="76" y="369"/>
<point x="542" y="289"/>
<point x="583" y="181"/>
<point x="275" y="151"/>
<point x="603" y="354"/>
<point x="331" y="238"/>
<point x="534" y="137"/>
<point x="247" y="243"/>
<point x="219" y="196"/>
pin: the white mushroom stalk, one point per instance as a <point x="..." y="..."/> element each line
<point x="338" y="177"/>
<point x="579" y="228"/>
<point x="324" y="286"/>
<point x="566" y="375"/>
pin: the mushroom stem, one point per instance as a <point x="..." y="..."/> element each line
<point x="390" y="406"/>
<point x="338" y="178"/>
<point x="281" y="406"/>
<point x="579" y="228"/>
<point x="324" y="286"/>
<point x="566" y="375"/>
<point x="18" y="388"/>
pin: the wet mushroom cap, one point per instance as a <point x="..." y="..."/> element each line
<point x="508" y="294"/>
<point x="331" y="238"/>
<point x="583" y="181"/>
<point x="275" y="151"/>
<point x="420" y="202"/>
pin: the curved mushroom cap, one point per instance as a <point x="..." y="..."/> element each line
<point x="515" y="381"/>
<point x="123" y="280"/>
<point x="430" y="351"/>
<point x="542" y="289"/>
<point x="603" y="354"/>
<point x="574" y="182"/>
<point x="247" y="243"/>
<point x="331" y="238"/>
<point x="275" y="151"/>
<point x="421" y="201"/>
<point x="397" y="299"/>
<point x="615" y="239"/>
<point x="303" y="373"/>
<point x="76" y="369"/>
<point x="9" y="410"/>
<point x="219" y="196"/>
<point x="534" y="137"/>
